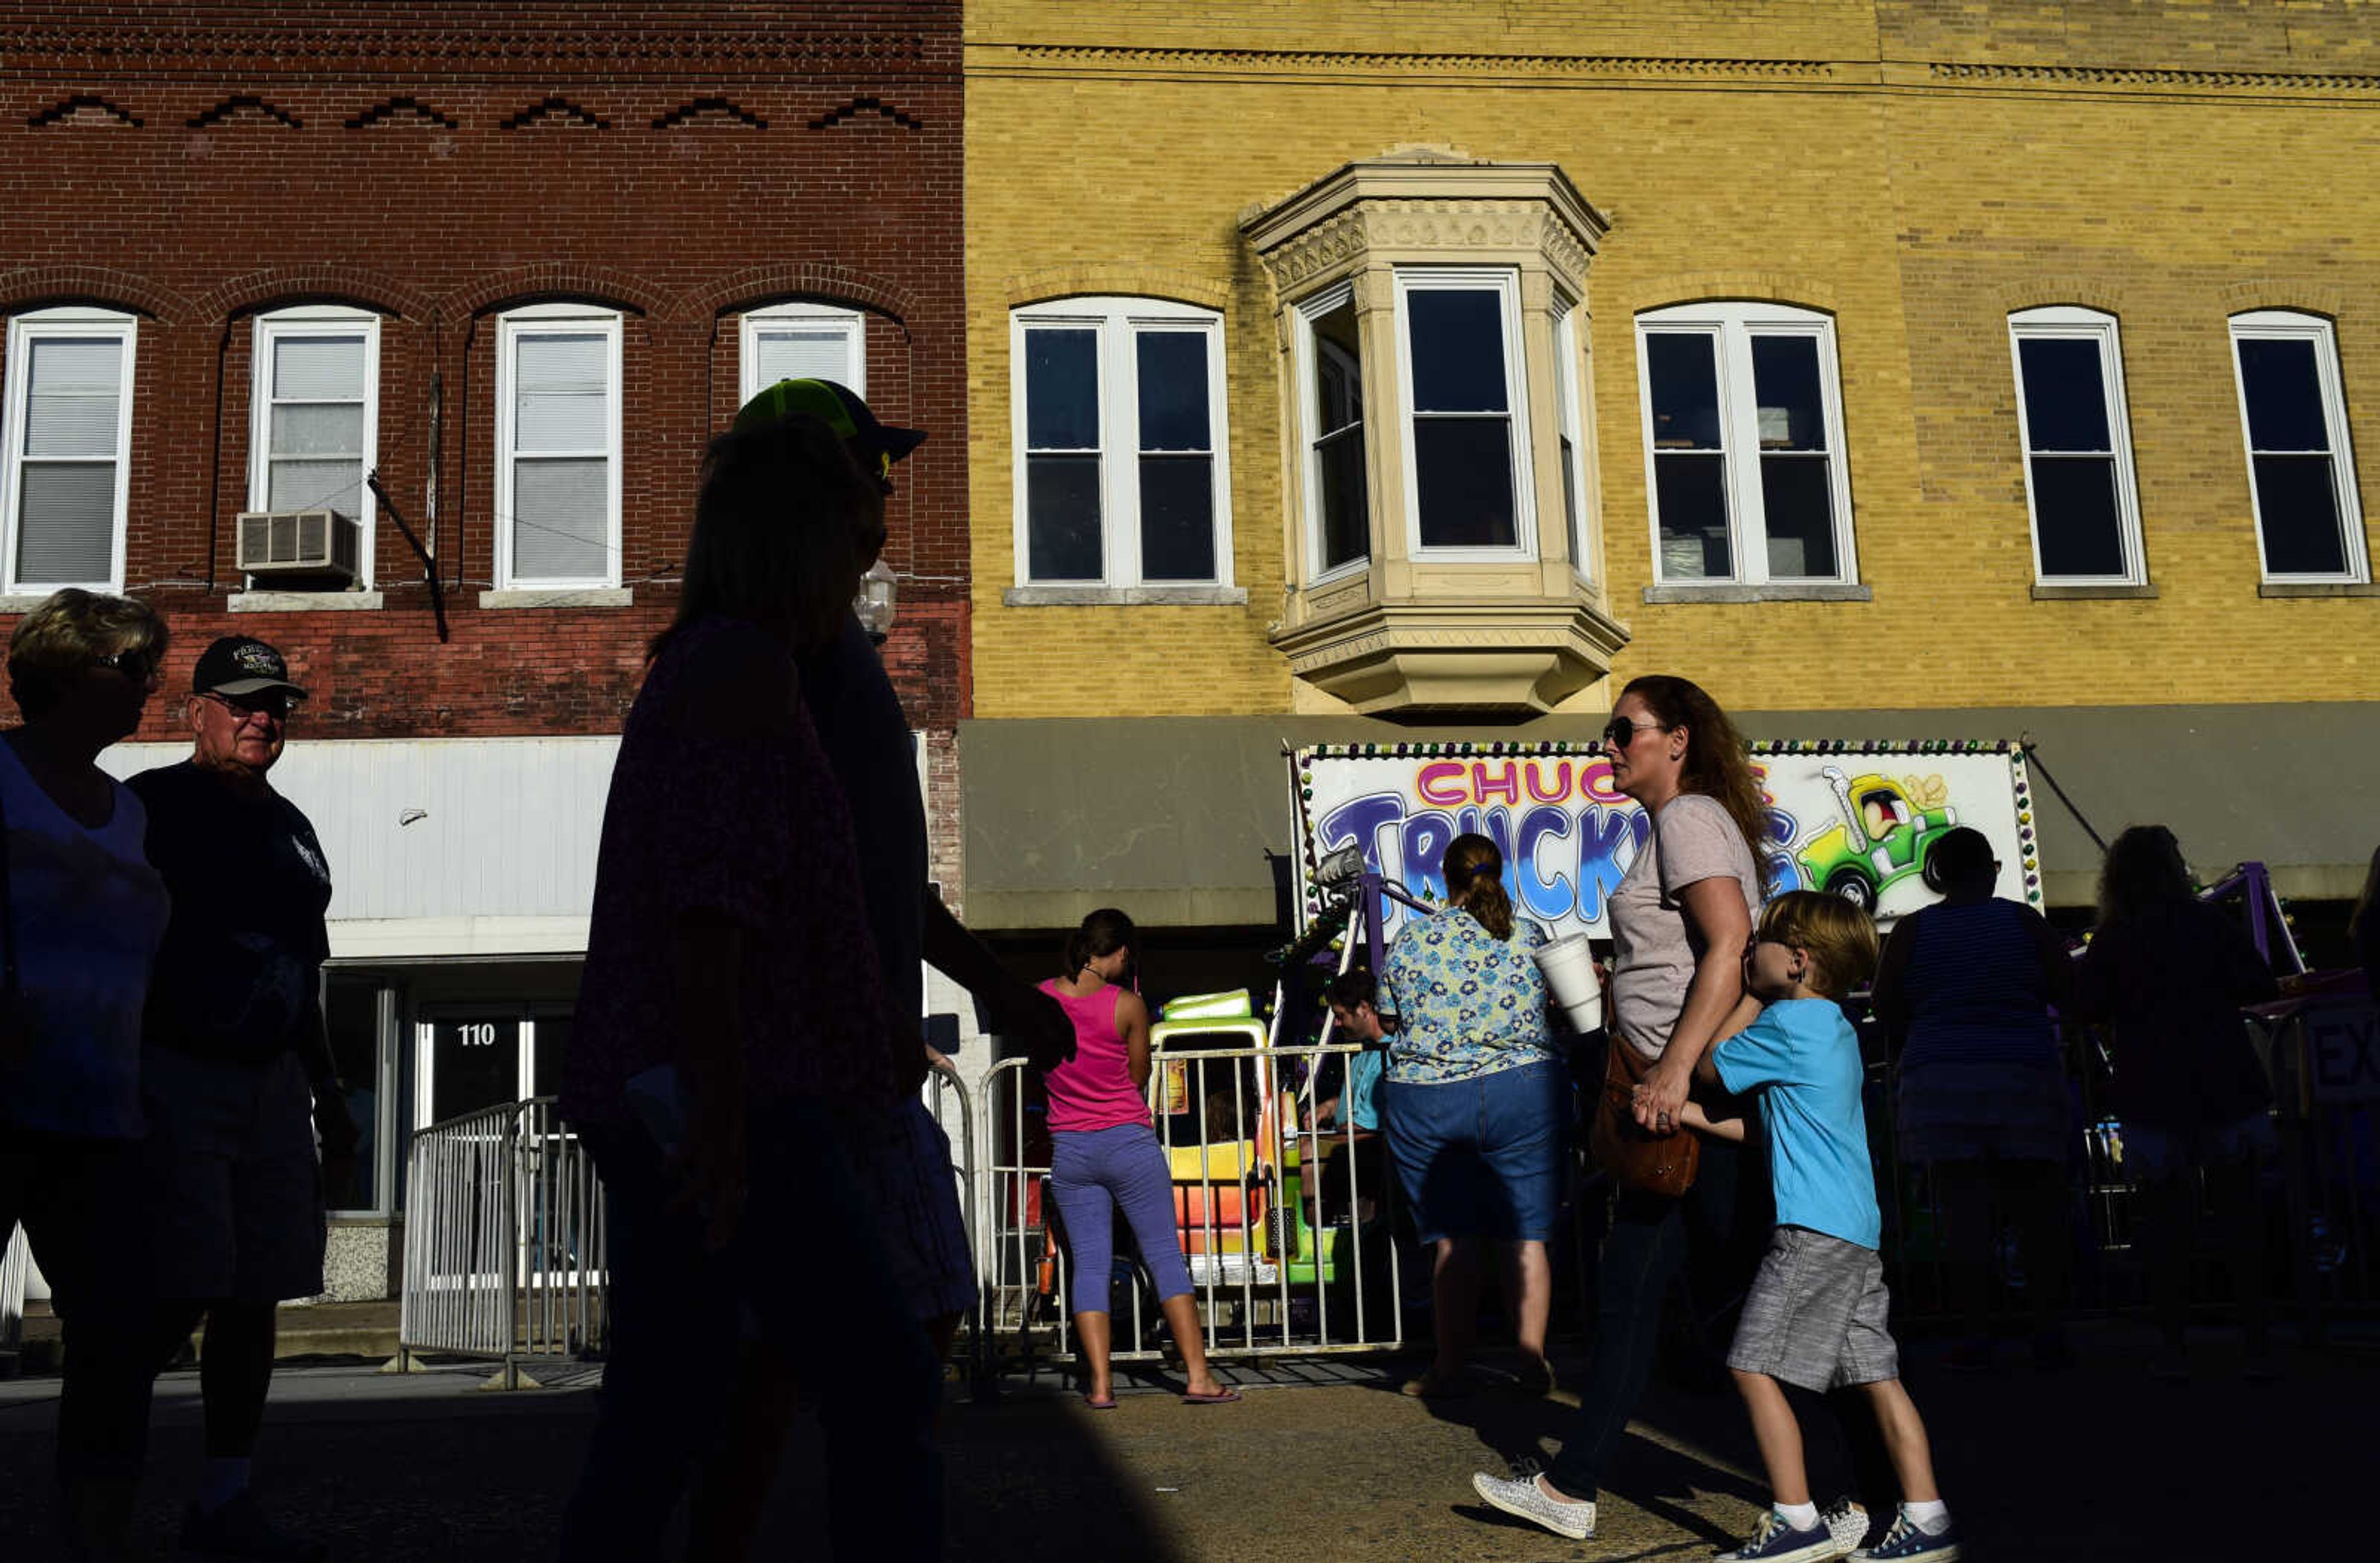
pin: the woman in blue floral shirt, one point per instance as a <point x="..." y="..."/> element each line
<point x="1475" y="1102"/>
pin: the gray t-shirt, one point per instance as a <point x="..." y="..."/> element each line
<point x="1654" y="950"/>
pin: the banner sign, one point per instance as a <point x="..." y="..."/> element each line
<point x="1853" y="819"/>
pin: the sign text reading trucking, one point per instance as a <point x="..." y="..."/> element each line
<point x="1856" y="822"/>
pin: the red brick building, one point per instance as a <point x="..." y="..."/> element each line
<point x="523" y="261"/>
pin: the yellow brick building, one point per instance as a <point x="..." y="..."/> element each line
<point x="1891" y="368"/>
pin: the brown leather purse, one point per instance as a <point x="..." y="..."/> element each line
<point x="1634" y="1157"/>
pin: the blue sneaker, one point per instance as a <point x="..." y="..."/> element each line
<point x="1775" y="1540"/>
<point x="1906" y="1541"/>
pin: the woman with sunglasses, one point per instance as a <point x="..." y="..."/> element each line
<point x="81" y="913"/>
<point x="1680" y="921"/>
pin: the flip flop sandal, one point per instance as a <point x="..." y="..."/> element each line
<point x="1108" y="1404"/>
<point x="1223" y="1397"/>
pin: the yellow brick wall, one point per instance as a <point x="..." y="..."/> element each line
<point x="1919" y="169"/>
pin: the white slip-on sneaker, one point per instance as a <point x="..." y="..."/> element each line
<point x="1519" y="1495"/>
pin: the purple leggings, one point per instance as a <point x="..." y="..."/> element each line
<point x="1088" y="1168"/>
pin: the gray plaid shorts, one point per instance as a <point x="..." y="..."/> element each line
<point x="1815" y="1315"/>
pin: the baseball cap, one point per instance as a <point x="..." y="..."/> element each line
<point x="841" y="409"/>
<point x="240" y="664"/>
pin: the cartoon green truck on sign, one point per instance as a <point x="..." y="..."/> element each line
<point x="1883" y="838"/>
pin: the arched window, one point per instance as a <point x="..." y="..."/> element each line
<point x="801" y="341"/>
<point x="558" y="447"/>
<point x="67" y="430"/>
<point x="314" y="423"/>
<point x="2078" y="448"/>
<point x="2300" y="466"/>
<point x="1744" y="445"/>
<point x="1122" y="475"/>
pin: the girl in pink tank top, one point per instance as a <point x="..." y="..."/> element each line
<point x="1096" y="1088"/>
<point x="1104" y="1157"/>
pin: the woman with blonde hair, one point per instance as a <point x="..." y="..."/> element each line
<point x="82" y="913"/>
<point x="1476" y="1101"/>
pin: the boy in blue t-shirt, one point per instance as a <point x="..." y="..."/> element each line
<point x="1815" y="1315"/>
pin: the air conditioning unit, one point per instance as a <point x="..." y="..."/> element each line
<point x="300" y="543"/>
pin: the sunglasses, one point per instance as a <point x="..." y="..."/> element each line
<point x="1622" y="733"/>
<point x="136" y="664"/>
<point x="243" y="707"/>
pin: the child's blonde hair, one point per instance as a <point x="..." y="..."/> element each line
<point x="1840" y="938"/>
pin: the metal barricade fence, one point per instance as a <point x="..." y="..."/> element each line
<point x="1290" y="1249"/>
<point x="2321" y="1196"/>
<point x="15" y="1263"/>
<point x="503" y="1241"/>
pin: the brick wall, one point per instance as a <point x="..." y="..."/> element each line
<point x="677" y="162"/>
<point x="1916" y="169"/>
<point x="199" y="163"/>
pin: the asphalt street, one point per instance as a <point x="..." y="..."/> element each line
<point x="1322" y="1462"/>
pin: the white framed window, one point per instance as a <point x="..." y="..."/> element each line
<point x="558" y="447"/>
<point x="65" y="427"/>
<point x="314" y="414"/>
<point x="2079" y="485"/>
<point x="1743" y="444"/>
<point x="1117" y="413"/>
<point x="2300" y="466"/>
<point x="1465" y="428"/>
<point x="802" y="342"/>
<point x="1331" y="390"/>
<point x="1571" y="432"/>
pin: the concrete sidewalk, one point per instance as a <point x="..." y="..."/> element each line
<point x="2097" y="1464"/>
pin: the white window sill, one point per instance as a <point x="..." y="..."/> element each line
<point x="27" y="603"/>
<point x="2317" y="588"/>
<point x="1772" y="591"/>
<point x="559" y="596"/>
<point x="301" y="601"/>
<point x="2051" y="593"/>
<point x="1079" y="596"/>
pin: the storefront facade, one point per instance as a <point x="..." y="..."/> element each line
<point x="1913" y="371"/>
<point x="520" y="270"/>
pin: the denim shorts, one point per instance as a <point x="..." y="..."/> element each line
<point x="1482" y="1157"/>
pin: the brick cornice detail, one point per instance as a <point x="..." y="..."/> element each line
<point x="34" y="287"/>
<point x="1344" y="61"/>
<point x="819" y="280"/>
<point x="528" y="51"/>
<point x="1121" y="280"/>
<point x="351" y="285"/>
<point x="2041" y="293"/>
<point x="557" y="281"/>
<point x="2281" y="293"/>
<point x="1768" y="287"/>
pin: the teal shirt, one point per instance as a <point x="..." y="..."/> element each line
<point x="1357" y="1086"/>
<point x="1804" y="1059"/>
<point x="1467" y="1003"/>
